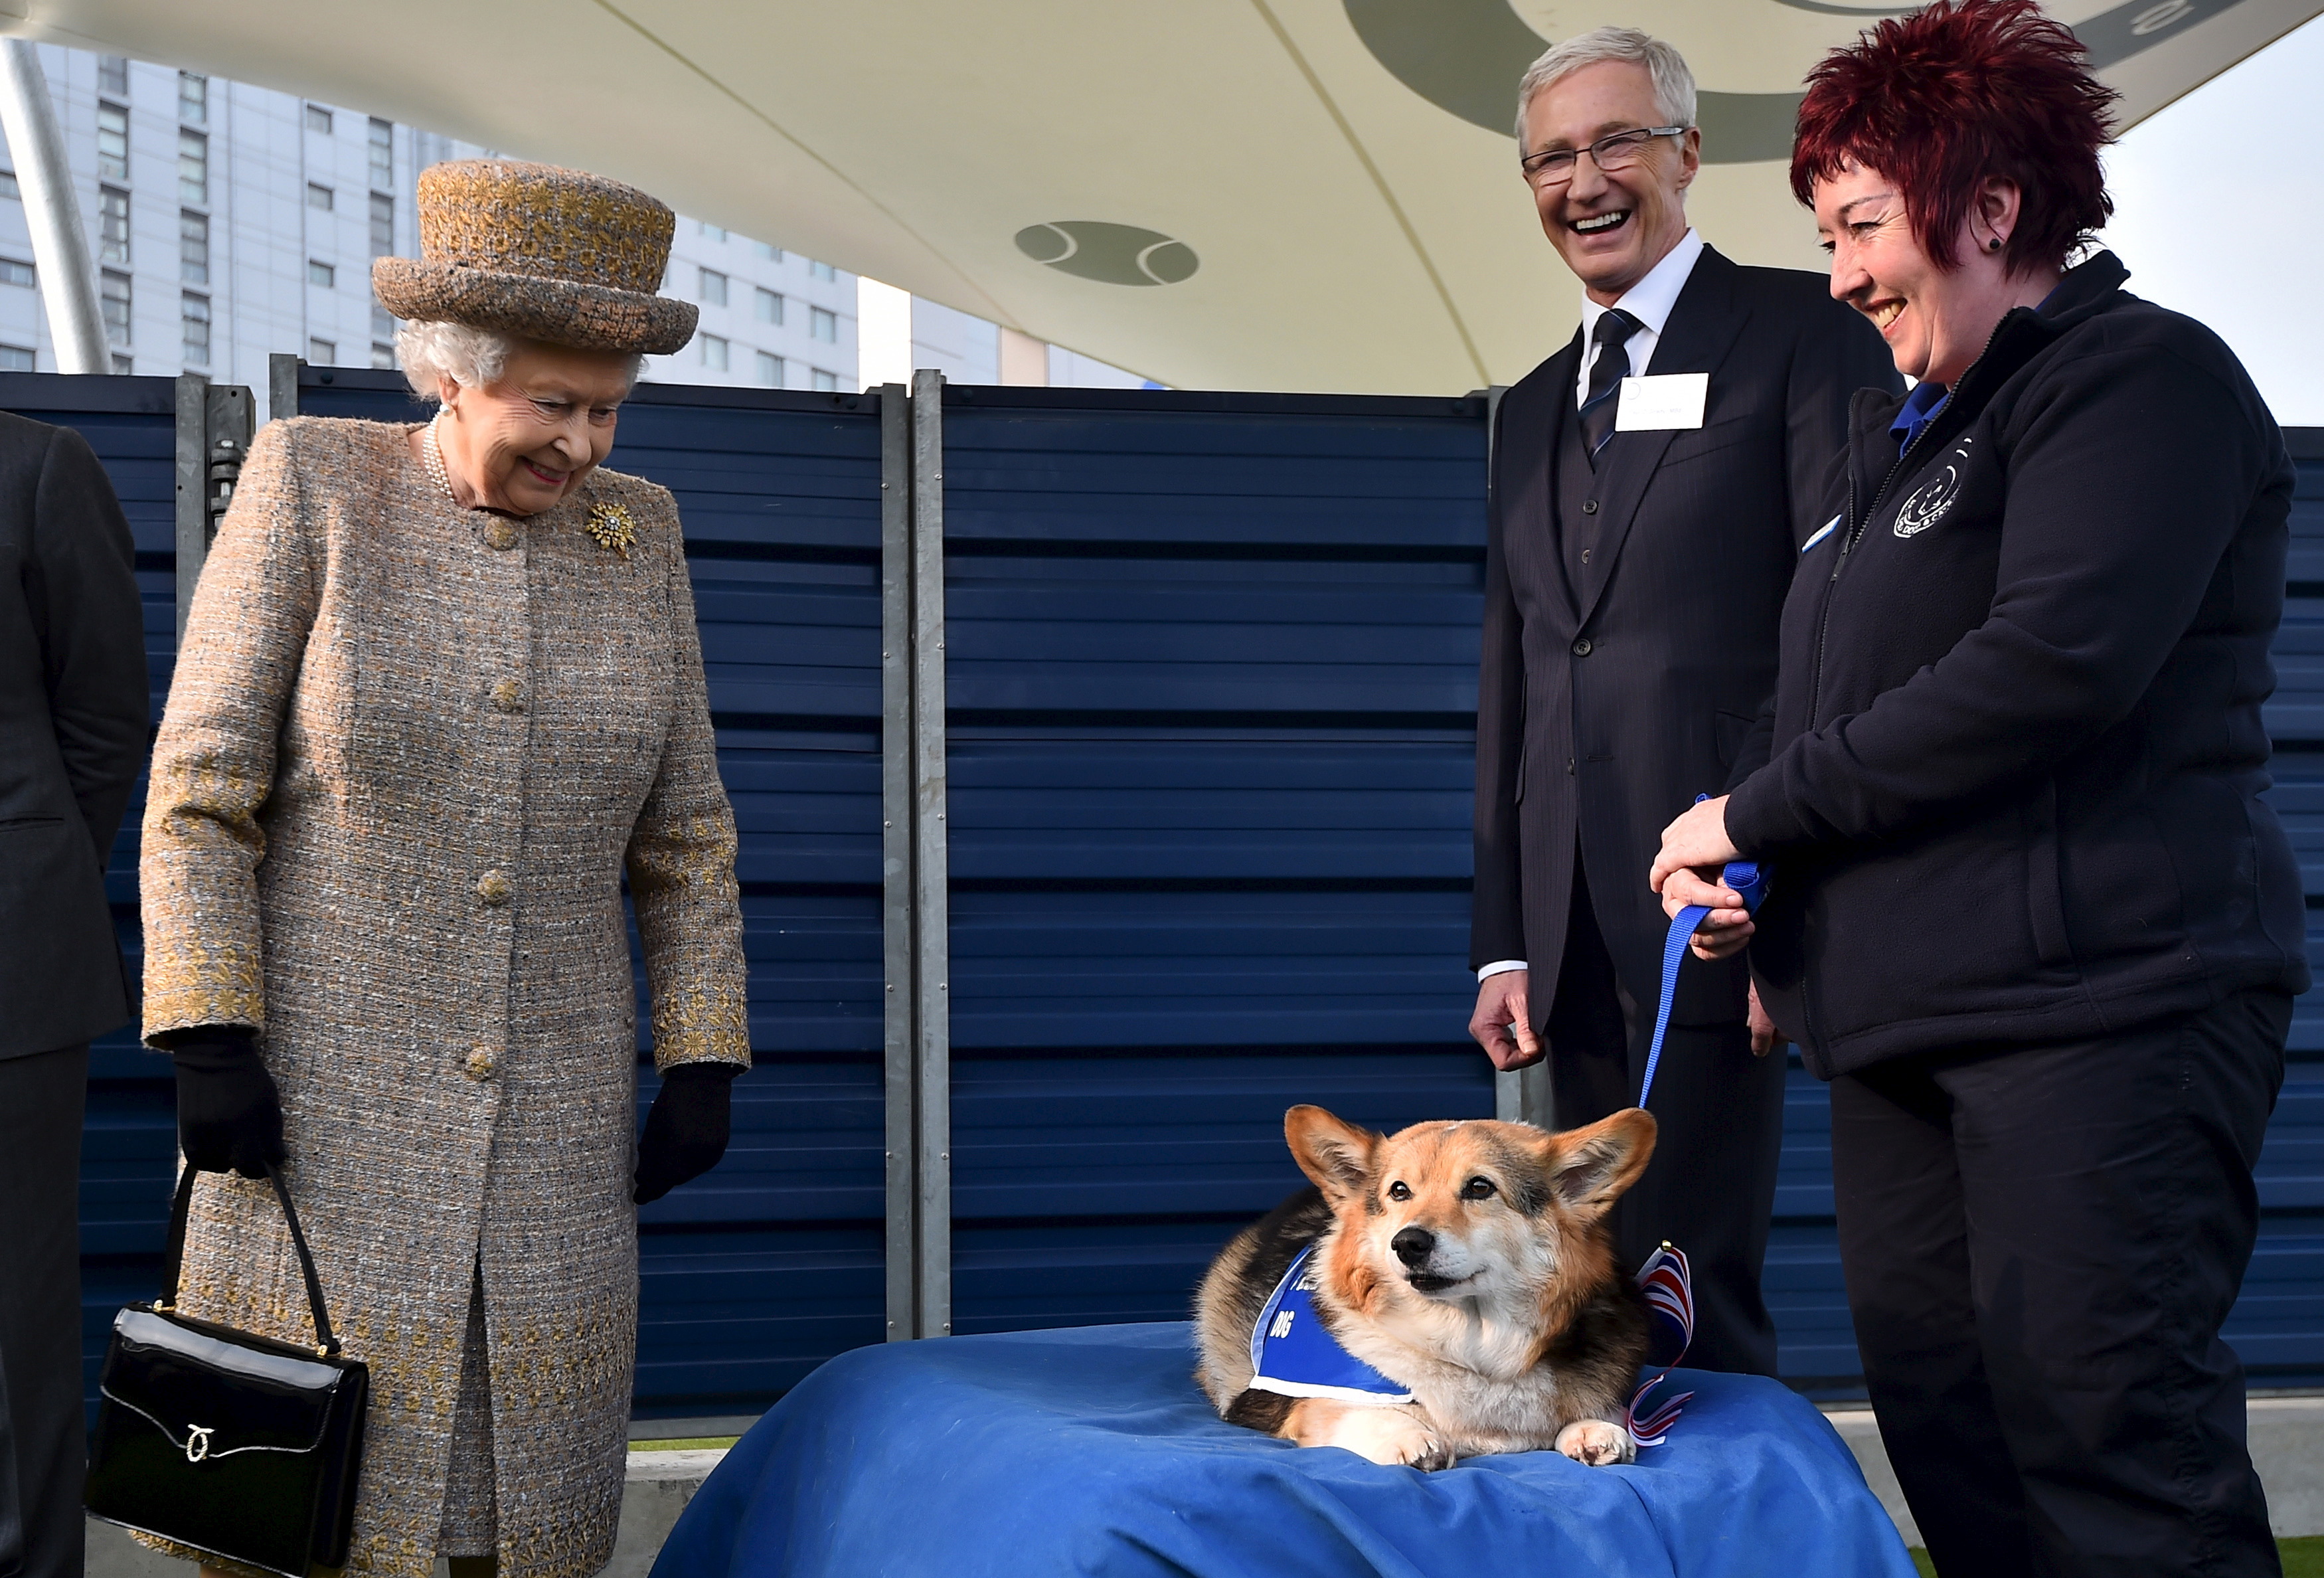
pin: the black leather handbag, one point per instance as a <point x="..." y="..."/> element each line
<point x="238" y="1445"/>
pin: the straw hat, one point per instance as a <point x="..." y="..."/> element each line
<point x="550" y="254"/>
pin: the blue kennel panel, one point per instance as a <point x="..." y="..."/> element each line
<point x="129" y="1139"/>
<point x="1211" y="664"/>
<point x="756" y="1273"/>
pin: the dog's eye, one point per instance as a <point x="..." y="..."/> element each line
<point x="1476" y="1189"/>
<point x="1398" y="1191"/>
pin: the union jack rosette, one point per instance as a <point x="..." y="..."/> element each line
<point x="1668" y="1284"/>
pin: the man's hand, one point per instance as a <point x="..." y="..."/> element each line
<point x="1503" y="1023"/>
<point x="1765" y="1036"/>
<point x="1695" y="850"/>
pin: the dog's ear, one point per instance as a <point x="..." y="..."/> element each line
<point x="1336" y="1154"/>
<point x="1589" y="1168"/>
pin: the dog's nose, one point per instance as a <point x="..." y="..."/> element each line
<point x="1413" y="1244"/>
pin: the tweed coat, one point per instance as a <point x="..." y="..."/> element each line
<point x="409" y="751"/>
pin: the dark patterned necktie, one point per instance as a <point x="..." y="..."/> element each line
<point x="1606" y="374"/>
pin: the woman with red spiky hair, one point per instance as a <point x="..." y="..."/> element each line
<point x="2029" y="913"/>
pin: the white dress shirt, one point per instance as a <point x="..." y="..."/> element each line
<point x="1650" y="301"/>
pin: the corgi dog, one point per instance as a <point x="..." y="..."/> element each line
<point x="1466" y="1286"/>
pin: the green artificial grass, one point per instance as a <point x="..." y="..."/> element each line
<point x="2303" y="1558"/>
<point x="687" y="1443"/>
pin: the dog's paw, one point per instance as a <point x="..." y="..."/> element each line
<point x="1392" y="1437"/>
<point x="1597" y="1443"/>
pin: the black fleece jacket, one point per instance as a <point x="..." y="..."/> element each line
<point x="2010" y="783"/>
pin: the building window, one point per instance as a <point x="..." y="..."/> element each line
<point x="193" y="167"/>
<point x="112" y="141"/>
<point x="713" y="353"/>
<point x="770" y="307"/>
<point x="194" y="319"/>
<point x="113" y="296"/>
<point x="322" y="352"/>
<point x="713" y="287"/>
<point x="383" y="154"/>
<point x="822" y="323"/>
<point x="382" y="323"/>
<point x="318" y="119"/>
<point x="822" y="270"/>
<point x="193" y="247"/>
<point x="771" y="370"/>
<point x="826" y="382"/>
<point x="712" y="232"/>
<point x="111" y="225"/>
<point x="768" y="250"/>
<point x="13" y="273"/>
<point x="15" y="359"/>
<point x="320" y="196"/>
<point x="113" y="74"/>
<point x="321" y="274"/>
<point x="193" y="100"/>
<point x="382" y="225"/>
<point x="8" y="186"/>
<point x="383" y="355"/>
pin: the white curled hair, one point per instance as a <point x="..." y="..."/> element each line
<point x="1673" y="83"/>
<point x="469" y="356"/>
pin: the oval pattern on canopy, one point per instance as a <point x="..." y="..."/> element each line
<point x="1113" y="254"/>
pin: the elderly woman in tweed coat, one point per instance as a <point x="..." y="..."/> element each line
<point x="441" y="687"/>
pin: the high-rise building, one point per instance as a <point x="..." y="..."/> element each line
<point x="230" y="222"/>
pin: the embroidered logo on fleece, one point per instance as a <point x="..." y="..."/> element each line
<point x="1928" y="502"/>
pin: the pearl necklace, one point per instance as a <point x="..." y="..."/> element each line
<point x="433" y="455"/>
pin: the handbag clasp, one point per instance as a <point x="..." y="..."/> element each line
<point x="198" y="1442"/>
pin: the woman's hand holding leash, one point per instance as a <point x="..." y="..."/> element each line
<point x="1695" y="849"/>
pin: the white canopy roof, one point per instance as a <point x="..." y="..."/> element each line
<point x="1285" y="194"/>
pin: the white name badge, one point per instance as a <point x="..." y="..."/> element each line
<point x="1661" y="400"/>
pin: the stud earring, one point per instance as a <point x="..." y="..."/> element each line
<point x="1994" y="245"/>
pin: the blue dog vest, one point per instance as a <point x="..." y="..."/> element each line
<point x="1293" y="1354"/>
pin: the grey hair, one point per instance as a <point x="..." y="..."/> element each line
<point x="469" y="356"/>
<point x="1673" y="83"/>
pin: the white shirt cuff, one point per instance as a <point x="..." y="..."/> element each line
<point x="1501" y="967"/>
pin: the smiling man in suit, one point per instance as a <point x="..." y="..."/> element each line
<point x="1651" y="492"/>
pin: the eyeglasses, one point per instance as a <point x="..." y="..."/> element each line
<point x="1615" y="151"/>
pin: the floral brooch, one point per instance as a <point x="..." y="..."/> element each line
<point x="612" y="526"/>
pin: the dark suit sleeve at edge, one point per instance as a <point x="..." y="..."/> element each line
<point x="1837" y="352"/>
<point x="92" y="632"/>
<point x="1496" y="914"/>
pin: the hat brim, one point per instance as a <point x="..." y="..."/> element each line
<point x="562" y="312"/>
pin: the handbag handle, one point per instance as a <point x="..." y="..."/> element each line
<point x="174" y="1252"/>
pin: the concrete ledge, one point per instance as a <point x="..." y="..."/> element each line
<point x="660" y="1485"/>
<point x="2287" y="1444"/>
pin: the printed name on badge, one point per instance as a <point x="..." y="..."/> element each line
<point x="1661" y="400"/>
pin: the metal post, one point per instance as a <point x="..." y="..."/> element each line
<point x="931" y="903"/>
<point x="52" y="212"/>
<point x="897" y="823"/>
<point x="213" y="435"/>
<point x="283" y="384"/>
<point x="193" y="535"/>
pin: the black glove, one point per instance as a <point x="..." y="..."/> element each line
<point x="685" y="1127"/>
<point x="229" y="1114"/>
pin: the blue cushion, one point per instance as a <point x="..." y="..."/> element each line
<point x="1092" y="1451"/>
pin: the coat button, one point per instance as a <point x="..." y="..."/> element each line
<point x="1581" y="646"/>
<point x="492" y="888"/>
<point x="509" y="696"/>
<point x="500" y="535"/>
<point x="1590" y="506"/>
<point x="480" y="1063"/>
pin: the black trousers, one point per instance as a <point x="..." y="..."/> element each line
<point x="41" y="1098"/>
<point x="1710" y="1186"/>
<point x="2041" y="1243"/>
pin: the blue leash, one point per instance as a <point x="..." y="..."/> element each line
<point x="1744" y="877"/>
